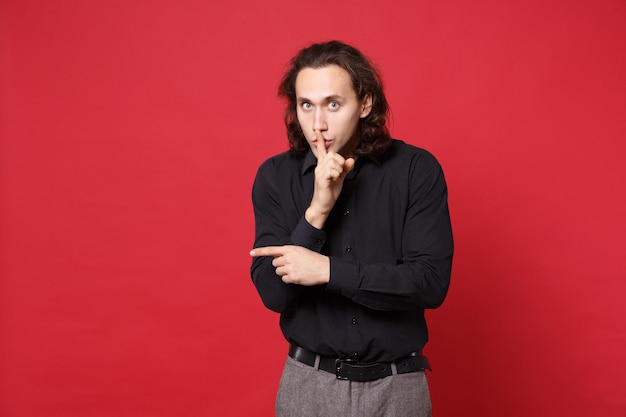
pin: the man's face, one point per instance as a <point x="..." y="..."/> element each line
<point x="326" y="101"/>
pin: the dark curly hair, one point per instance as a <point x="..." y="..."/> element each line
<point x="374" y="136"/>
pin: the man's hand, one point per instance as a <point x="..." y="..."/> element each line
<point x="297" y="265"/>
<point x="330" y="172"/>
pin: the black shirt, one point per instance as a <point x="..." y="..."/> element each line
<point x="389" y="241"/>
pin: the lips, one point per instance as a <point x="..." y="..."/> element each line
<point x="326" y="142"/>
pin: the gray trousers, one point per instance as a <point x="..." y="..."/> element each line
<point x="305" y="391"/>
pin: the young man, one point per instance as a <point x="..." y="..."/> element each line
<point x="353" y="241"/>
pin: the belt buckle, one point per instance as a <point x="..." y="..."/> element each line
<point x="339" y="368"/>
<point x="353" y="370"/>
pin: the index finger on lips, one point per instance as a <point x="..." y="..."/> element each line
<point x="321" y="144"/>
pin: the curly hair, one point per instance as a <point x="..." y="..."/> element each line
<point x="373" y="133"/>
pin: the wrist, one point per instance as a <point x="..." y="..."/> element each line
<point x="326" y="274"/>
<point x="315" y="218"/>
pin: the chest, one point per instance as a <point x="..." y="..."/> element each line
<point x="367" y="221"/>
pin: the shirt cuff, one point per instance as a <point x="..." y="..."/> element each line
<point x="344" y="276"/>
<point x="308" y="236"/>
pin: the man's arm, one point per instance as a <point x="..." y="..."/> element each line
<point x="420" y="280"/>
<point x="299" y="263"/>
<point x="422" y="276"/>
<point x="272" y="228"/>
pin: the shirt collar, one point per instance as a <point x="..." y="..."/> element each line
<point x="310" y="161"/>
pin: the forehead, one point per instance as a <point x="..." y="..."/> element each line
<point x="313" y="83"/>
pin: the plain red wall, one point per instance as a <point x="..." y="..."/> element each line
<point x="130" y="133"/>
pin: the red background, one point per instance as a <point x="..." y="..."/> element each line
<point x="130" y="133"/>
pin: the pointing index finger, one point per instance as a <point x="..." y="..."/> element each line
<point x="267" y="251"/>
<point x="321" y="144"/>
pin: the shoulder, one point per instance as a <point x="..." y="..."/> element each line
<point x="278" y="171"/>
<point x="401" y="152"/>
<point x="284" y="163"/>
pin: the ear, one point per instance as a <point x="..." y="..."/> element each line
<point x="366" y="106"/>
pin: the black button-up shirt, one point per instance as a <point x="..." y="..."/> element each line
<point x="389" y="241"/>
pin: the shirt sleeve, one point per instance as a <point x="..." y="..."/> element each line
<point x="422" y="277"/>
<point x="272" y="229"/>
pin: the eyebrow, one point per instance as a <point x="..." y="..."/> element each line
<point x="334" y="97"/>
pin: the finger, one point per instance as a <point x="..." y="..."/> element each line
<point x="321" y="144"/>
<point x="348" y="165"/>
<point x="268" y="251"/>
<point x="278" y="262"/>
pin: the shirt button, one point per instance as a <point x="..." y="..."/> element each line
<point x="354" y="322"/>
<point x="348" y="249"/>
<point x="345" y="213"/>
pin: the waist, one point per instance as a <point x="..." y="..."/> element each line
<point x="352" y="370"/>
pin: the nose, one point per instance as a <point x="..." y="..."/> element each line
<point x="319" y="120"/>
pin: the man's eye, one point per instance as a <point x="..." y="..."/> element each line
<point x="306" y="106"/>
<point x="333" y="105"/>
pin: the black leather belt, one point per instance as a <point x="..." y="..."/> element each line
<point x="352" y="370"/>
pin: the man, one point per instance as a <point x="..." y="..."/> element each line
<point x="353" y="241"/>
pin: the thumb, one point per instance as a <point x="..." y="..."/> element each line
<point x="348" y="165"/>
